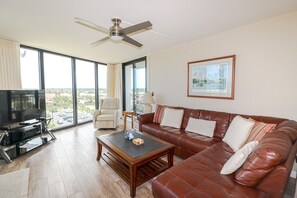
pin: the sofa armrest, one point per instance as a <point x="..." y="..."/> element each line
<point x="145" y="118"/>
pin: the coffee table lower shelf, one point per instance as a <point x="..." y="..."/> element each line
<point x="143" y="173"/>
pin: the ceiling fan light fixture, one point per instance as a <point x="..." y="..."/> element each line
<point x="116" y="37"/>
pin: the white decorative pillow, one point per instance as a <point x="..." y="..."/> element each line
<point x="238" y="158"/>
<point x="238" y="132"/>
<point x="202" y="127"/>
<point x="172" y="117"/>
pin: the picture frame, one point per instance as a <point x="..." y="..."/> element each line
<point x="212" y="78"/>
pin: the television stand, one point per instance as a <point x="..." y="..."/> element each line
<point x="20" y="138"/>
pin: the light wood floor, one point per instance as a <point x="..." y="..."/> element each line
<point x="68" y="168"/>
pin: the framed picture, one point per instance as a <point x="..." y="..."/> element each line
<point x="212" y="78"/>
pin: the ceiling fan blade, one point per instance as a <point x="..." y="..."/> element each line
<point x="131" y="41"/>
<point x="100" y="41"/>
<point x="91" y="25"/>
<point x="134" y="28"/>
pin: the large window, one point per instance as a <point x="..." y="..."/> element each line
<point x="29" y="68"/>
<point x="102" y="75"/>
<point x="85" y="84"/>
<point x="70" y="84"/>
<point x="58" y="89"/>
<point x="134" y="81"/>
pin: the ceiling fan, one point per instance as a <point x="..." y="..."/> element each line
<point x="115" y="32"/>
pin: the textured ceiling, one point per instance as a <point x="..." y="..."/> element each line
<point x="49" y="24"/>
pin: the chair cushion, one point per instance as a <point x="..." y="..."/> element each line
<point x="107" y="111"/>
<point x="105" y="117"/>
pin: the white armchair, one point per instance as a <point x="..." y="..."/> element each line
<point x="108" y="114"/>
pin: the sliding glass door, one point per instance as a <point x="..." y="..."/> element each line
<point x="134" y="81"/>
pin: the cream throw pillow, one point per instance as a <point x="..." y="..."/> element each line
<point x="172" y="117"/>
<point x="202" y="127"/>
<point x="238" y="132"/>
<point x="238" y="158"/>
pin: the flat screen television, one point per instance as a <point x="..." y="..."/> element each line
<point x="21" y="105"/>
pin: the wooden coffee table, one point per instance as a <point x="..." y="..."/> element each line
<point x="135" y="164"/>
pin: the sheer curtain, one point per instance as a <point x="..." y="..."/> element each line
<point x="110" y="80"/>
<point x="114" y="83"/>
<point x="10" y="69"/>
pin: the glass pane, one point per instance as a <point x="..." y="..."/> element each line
<point x="102" y="75"/>
<point x="29" y="68"/>
<point x="129" y="87"/>
<point x="58" y="89"/>
<point x="140" y="86"/>
<point x="85" y="81"/>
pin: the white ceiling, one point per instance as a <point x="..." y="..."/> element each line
<point x="49" y="24"/>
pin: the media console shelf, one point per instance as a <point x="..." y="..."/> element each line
<point x="19" y="138"/>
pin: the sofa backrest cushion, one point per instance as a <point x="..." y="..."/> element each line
<point x="189" y="113"/>
<point x="272" y="150"/>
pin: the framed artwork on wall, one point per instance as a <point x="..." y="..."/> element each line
<point x="212" y="78"/>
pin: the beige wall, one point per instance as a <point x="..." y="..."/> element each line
<point x="266" y="69"/>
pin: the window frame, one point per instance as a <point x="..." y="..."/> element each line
<point x="73" y="73"/>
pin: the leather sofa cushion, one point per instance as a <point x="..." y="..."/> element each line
<point x="199" y="176"/>
<point x="272" y="150"/>
<point x="168" y="134"/>
<point x="196" y="142"/>
<point x="192" y="141"/>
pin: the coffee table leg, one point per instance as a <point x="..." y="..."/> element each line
<point x="99" y="150"/>
<point x="133" y="176"/>
<point x="170" y="157"/>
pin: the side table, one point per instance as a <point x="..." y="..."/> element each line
<point x="126" y="113"/>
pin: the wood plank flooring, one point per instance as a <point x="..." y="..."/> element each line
<point x="67" y="168"/>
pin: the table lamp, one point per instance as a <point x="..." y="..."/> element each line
<point x="147" y="99"/>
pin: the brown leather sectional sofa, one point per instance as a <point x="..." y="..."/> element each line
<point x="199" y="174"/>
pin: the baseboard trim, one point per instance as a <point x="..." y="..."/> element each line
<point x="293" y="174"/>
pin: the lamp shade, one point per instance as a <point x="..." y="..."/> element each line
<point x="147" y="98"/>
